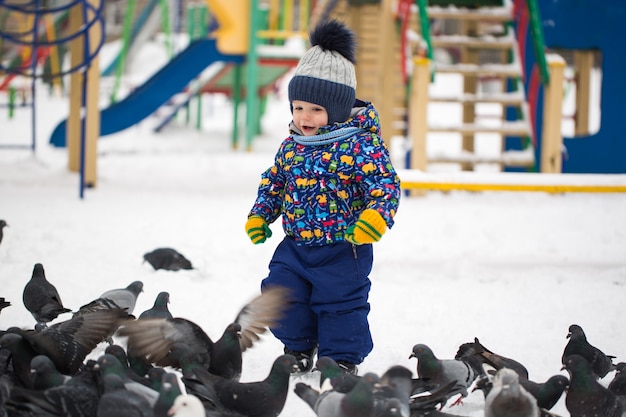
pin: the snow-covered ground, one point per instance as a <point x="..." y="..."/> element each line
<point x="513" y="269"/>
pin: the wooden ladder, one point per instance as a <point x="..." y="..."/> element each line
<point x="478" y="29"/>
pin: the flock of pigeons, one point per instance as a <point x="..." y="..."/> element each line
<point x="156" y="365"/>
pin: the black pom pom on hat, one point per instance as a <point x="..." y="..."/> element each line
<point x="325" y="74"/>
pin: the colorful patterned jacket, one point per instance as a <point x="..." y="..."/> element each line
<point x="320" y="190"/>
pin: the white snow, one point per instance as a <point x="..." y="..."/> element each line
<point x="513" y="269"/>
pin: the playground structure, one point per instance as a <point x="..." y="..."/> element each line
<point x="394" y="72"/>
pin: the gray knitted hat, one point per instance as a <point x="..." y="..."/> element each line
<point x="325" y="74"/>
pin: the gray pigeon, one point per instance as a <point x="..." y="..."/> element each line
<point x="508" y="398"/>
<point x="41" y="298"/>
<point x="168" y="259"/>
<point x="125" y="298"/>
<point x="441" y="372"/>
<point x="601" y="364"/>
<point x="586" y="397"/>
<point x="117" y="401"/>
<point x="359" y="402"/>
<point x="3" y="224"/>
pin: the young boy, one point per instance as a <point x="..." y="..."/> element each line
<point x="334" y="185"/>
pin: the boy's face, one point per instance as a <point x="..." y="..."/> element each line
<point x="309" y="117"/>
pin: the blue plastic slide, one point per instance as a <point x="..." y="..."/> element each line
<point x="147" y="98"/>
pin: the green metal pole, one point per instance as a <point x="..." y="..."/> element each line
<point x="12" y="95"/>
<point x="538" y="42"/>
<point x="166" y="27"/>
<point x="121" y="63"/>
<point x="236" y="101"/>
<point x="251" y="76"/>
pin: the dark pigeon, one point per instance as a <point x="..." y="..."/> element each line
<point x="45" y="375"/>
<point x="546" y="393"/>
<point x="78" y="397"/>
<point x="117" y="401"/>
<point x="265" y="398"/>
<point x="478" y="355"/>
<point x="508" y="398"/>
<point x="600" y="363"/>
<point x="618" y="385"/>
<point x="41" y="298"/>
<point x="359" y="402"/>
<point x="168" y="259"/>
<point x="432" y="399"/>
<point x="4" y="303"/>
<point x="110" y="365"/>
<point x="586" y="397"/>
<point x="159" y="310"/>
<point x="441" y="372"/>
<point x="154" y="337"/>
<point x="66" y="343"/>
<point x="169" y="390"/>
<point x="393" y="391"/>
<point x="339" y="378"/>
<point x="3" y="224"/>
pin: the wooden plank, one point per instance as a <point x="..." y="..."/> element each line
<point x="499" y="98"/>
<point x="481" y="14"/>
<point x="487" y="70"/>
<point x="513" y="129"/>
<point x="468" y="42"/>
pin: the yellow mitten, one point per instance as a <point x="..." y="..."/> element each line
<point x="369" y="228"/>
<point x="257" y="229"/>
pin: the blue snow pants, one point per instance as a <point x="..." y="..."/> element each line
<point x="329" y="292"/>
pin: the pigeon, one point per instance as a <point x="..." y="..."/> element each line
<point x="117" y="401"/>
<point x="618" y="385"/>
<point x="168" y="392"/>
<point x="45" y="375"/>
<point x="66" y="343"/>
<point x="125" y="298"/>
<point x="41" y="298"/>
<point x="546" y="393"/>
<point x="478" y="355"/>
<point x="186" y="405"/>
<point x="265" y="398"/>
<point x="78" y="397"/>
<point x="508" y="398"/>
<point x="440" y="372"/>
<point x="421" y="402"/>
<point x="159" y="310"/>
<point x="358" y="402"/>
<point x="110" y="365"/>
<point x="393" y="391"/>
<point x="586" y="397"/>
<point x="339" y="378"/>
<point x="3" y="224"/>
<point x="168" y="259"/>
<point x="154" y="337"/>
<point x="4" y="303"/>
<point x="600" y="363"/>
